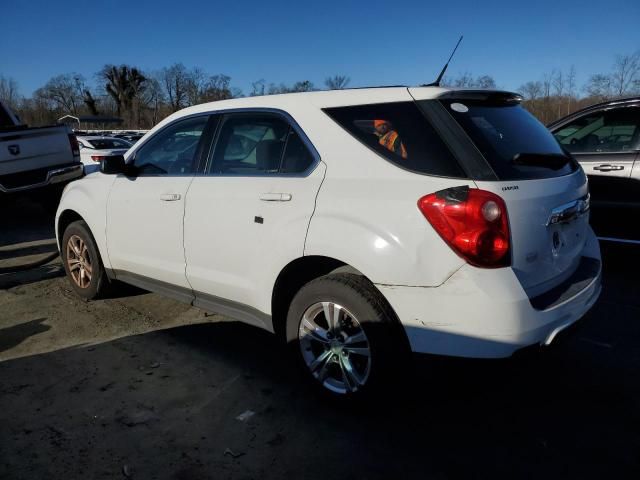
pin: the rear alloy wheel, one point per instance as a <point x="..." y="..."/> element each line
<point x="345" y="336"/>
<point x="334" y="347"/>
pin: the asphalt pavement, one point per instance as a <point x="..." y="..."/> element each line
<point x="139" y="386"/>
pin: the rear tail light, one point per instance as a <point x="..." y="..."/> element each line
<point x="473" y="222"/>
<point x="97" y="158"/>
<point x="75" y="146"/>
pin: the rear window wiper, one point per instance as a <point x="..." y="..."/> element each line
<point x="554" y="161"/>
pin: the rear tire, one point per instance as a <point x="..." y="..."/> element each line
<point x="82" y="262"/>
<point x="346" y="338"/>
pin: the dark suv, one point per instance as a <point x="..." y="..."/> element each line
<point x="605" y="139"/>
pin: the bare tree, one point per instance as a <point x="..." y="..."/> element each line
<point x="196" y="80"/>
<point x="218" y="87"/>
<point x="337" y="82"/>
<point x="175" y="81"/>
<point x="303" y="86"/>
<point x="599" y="86"/>
<point x="66" y="92"/>
<point x="485" y="81"/>
<point x="532" y="90"/>
<point x="467" y="80"/>
<point x="90" y="101"/>
<point x="125" y="84"/>
<point x="557" y="81"/>
<point x="571" y="86"/>
<point x="153" y="99"/>
<point x="258" y="88"/>
<point x="464" y="80"/>
<point x="9" y="91"/>
<point x="625" y="72"/>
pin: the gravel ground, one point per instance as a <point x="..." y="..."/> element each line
<point x="140" y="386"/>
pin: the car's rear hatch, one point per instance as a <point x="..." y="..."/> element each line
<point x="544" y="189"/>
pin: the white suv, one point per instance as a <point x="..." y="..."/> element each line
<point x="358" y="225"/>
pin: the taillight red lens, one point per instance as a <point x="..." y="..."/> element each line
<point x="473" y="222"/>
<point x="75" y="146"/>
<point x="97" y="158"/>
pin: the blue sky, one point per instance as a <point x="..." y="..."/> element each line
<point x="374" y="42"/>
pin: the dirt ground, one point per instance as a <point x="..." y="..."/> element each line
<point x="143" y="387"/>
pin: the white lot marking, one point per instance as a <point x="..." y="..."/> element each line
<point x="245" y="415"/>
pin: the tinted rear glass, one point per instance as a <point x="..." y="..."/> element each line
<point x="514" y="142"/>
<point x="400" y="133"/>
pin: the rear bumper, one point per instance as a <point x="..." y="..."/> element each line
<point x="20" y="182"/>
<point x="486" y="313"/>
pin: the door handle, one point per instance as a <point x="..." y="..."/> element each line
<point x="609" y="168"/>
<point x="275" y="197"/>
<point x="170" y="197"/>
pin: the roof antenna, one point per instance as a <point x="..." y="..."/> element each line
<point x="444" y="69"/>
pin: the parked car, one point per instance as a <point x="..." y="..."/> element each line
<point x="94" y="149"/>
<point x="130" y="137"/>
<point x="605" y="139"/>
<point x="464" y="232"/>
<point x="37" y="160"/>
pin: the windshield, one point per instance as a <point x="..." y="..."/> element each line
<point x="514" y="142"/>
<point x="109" y="143"/>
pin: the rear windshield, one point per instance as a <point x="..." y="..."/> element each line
<point x="108" y="143"/>
<point x="400" y="133"/>
<point x="514" y="142"/>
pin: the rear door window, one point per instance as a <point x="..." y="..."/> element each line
<point x="514" y="143"/>
<point x="250" y="144"/>
<point x="400" y="133"/>
<point x="297" y="157"/>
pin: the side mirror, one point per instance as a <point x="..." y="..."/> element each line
<point x="113" y="165"/>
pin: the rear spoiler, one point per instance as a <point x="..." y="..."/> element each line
<point x="489" y="96"/>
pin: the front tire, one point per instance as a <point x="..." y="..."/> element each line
<point x="345" y="336"/>
<point x="82" y="262"/>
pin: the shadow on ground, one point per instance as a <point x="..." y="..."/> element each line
<point x="166" y="405"/>
<point x="16" y="334"/>
<point x="224" y="401"/>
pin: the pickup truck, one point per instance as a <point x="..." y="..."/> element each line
<point x="40" y="159"/>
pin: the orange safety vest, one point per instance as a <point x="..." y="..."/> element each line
<point x="388" y="141"/>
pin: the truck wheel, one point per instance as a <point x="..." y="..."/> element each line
<point x="82" y="262"/>
<point x="345" y="336"/>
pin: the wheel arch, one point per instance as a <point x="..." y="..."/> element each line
<point x="299" y="272"/>
<point x="70" y="215"/>
<point x="66" y="218"/>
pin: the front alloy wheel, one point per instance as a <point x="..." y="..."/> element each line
<point x="334" y="347"/>
<point x="79" y="262"/>
<point x="82" y="262"/>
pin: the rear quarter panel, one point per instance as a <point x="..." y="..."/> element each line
<point x="367" y="214"/>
